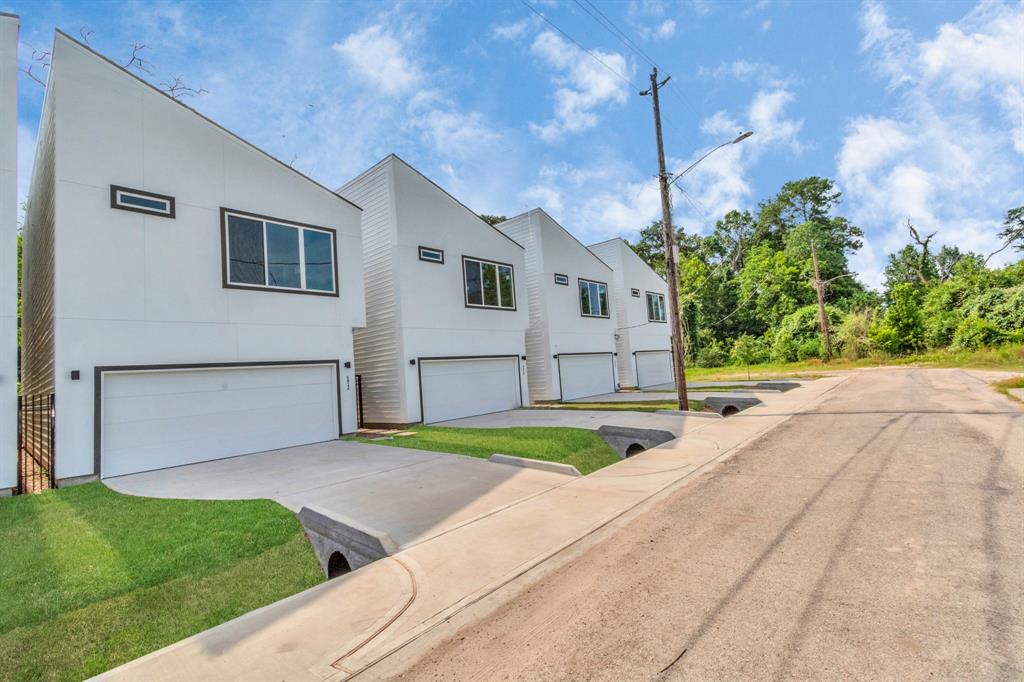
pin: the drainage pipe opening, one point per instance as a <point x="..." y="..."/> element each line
<point x="634" y="449"/>
<point x="337" y="565"/>
<point x="730" y="410"/>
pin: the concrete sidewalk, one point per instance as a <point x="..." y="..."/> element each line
<point x="346" y="625"/>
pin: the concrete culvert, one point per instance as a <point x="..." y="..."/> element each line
<point x="730" y="410"/>
<point x="634" y="449"/>
<point x="337" y="565"/>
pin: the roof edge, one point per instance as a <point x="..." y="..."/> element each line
<point x="209" y="120"/>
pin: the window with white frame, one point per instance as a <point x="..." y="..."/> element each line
<point x="593" y="298"/>
<point x="137" y="200"/>
<point x="268" y="253"/>
<point x="488" y="284"/>
<point x="431" y="255"/>
<point x="635" y="293"/>
<point x="656" y="307"/>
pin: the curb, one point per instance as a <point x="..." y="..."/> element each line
<point x="527" y="463"/>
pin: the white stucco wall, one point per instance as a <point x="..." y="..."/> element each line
<point x="138" y="289"/>
<point x="8" y="251"/>
<point x="435" y="320"/>
<point x="558" y="325"/>
<point x="635" y="332"/>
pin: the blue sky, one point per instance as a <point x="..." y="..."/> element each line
<point x="916" y="110"/>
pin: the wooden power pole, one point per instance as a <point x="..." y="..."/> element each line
<point x="669" y="235"/>
<point x="819" y="287"/>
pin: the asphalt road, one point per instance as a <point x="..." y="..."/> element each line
<point x="878" y="536"/>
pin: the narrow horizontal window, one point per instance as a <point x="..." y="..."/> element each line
<point x="561" y="279"/>
<point x="141" y="202"/>
<point x="635" y="293"/>
<point x="488" y="284"/>
<point x="593" y="298"/>
<point x="656" y="307"/>
<point x="431" y="255"/>
<point x="267" y="253"/>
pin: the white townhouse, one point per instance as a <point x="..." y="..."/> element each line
<point x="8" y="253"/>
<point x="643" y="337"/>
<point x="570" y="345"/>
<point x="446" y="309"/>
<point x="187" y="296"/>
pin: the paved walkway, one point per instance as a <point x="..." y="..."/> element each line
<point x="345" y="625"/>
<point x="642" y="396"/>
<point x="409" y="494"/>
<point x="876" y="536"/>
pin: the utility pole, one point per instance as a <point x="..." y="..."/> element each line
<point x="669" y="235"/>
<point x="819" y="287"/>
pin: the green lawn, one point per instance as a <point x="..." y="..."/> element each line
<point x="579" y="447"/>
<point x="631" y="406"/>
<point x="1005" y="386"/>
<point x="92" y="579"/>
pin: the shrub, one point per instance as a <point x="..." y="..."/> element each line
<point x="809" y="348"/>
<point x="901" y="330"/>
<point x="973" y="333"/>
<point x="749" y="350"/>
<point x="712" y="354"/>
<point x="851" y="339"/>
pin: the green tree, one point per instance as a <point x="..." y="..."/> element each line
<point x="492" y="220"/>
<point x="1013" y="231"/>
<point x="901" y="330"/>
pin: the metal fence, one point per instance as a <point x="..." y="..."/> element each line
<point x="36" y="443"/>
<point x="359" y="401"/>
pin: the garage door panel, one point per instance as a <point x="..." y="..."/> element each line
<point x="586" y="375"/>
<point x="214" y="380"/>
<point x="142" y="407"/>
<point x="158" y="419"/>
<point x="462" y="388"/>
<point x="653" y="368"/>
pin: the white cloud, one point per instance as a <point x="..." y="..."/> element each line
<point x="511" y="31"/>
<point x="765" y="75"/>
<point x="767" y="119"/>
<point x="665" y="30"/>
<point x="947" y="156"/>
<point x="379" y="58"/>
<point x="584" y="85"/>
<point x="766" y="25"/>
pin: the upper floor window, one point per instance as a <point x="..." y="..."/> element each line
<point x="635" y="293"/>
<point x="431" y="255"/>
<point x="267" y="253"/>
<point x="656" y="307"/>
<point x="488" y="284"/>
<point x="593" y="298"/>
<point x="141" y="202"/>
<point x="561" y="279"/>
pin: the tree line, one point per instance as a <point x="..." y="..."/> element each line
<point x="748" y="290"/>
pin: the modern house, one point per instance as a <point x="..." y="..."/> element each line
<point x="643" y="338"/>
<point x="570" y="345"/>
<point x="446" y="309"/>
<point x="8" y="253"/>
<point x="187" y="297"/>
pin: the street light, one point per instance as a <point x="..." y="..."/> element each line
<point x="678" y="362"/>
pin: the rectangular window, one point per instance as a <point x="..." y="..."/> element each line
<point x="431" y="255"/>
<point x="136" y="200"/>
<point x="561" y="279"/>
<point x="593" y="298"/>
<point x="488" y="284"/>
<point x="656" y="307"/>
<point x="267" y="253"/>
<point x="635" y="293"/>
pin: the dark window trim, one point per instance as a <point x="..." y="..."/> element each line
<point x="481" y="306"/>
<point x="224" y="211"/>
<point x="663" y="297"/>
<point x="114" y="189"/>
<point x="635" y="293"/>
<point x="419" y="251"/>
<point x="421" y="360"/>
<point x="565" y="277"/>
<point x="607" y="295"/>
<point x="100" y="370"/>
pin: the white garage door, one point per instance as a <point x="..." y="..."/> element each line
<point x="463" y="388"/>
<point x="586" y="375"/>
<point x="653" y="367"/>
<point x="152" y="419"/>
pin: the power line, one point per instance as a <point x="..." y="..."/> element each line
<point x="577" y="44"/>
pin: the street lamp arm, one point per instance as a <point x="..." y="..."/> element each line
<point x="739" y="138"/>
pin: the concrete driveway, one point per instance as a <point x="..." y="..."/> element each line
<point x="646" y="395"/>
<point x="411" y="495"/>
